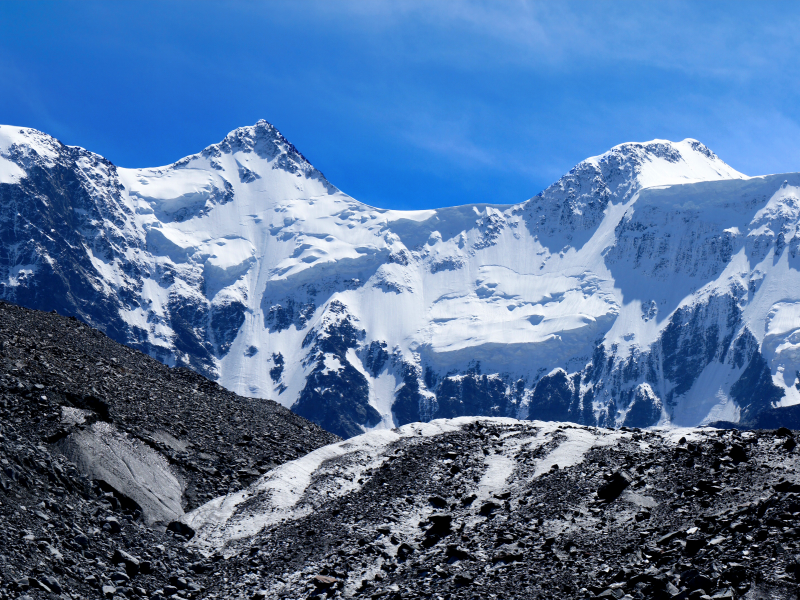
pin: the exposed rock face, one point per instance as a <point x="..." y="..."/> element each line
<point x="336" y="394"/>
<point x="645" y="410"/>
<point x="101" y="452"/>
<point x="651" y="284"/>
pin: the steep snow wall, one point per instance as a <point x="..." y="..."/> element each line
<point x="653" y="284"/>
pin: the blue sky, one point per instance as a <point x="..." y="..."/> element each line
<point x="410" y="104"/>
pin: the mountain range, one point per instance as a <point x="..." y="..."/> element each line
<point x="650" y="285"/>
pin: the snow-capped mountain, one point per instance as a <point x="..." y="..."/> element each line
<point x="653" y="284"/>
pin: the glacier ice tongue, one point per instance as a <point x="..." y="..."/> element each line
<point x="296" y="489"/>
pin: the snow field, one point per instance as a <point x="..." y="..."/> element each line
<point x="248" y="225"/>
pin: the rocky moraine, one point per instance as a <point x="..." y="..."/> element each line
<point x="123" y="478"/>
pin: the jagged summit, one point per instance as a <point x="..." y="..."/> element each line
<point x="661" y="162"/>
<point x="650" y="284"/>
<point x="672" y="151"/>
<point x="22" y="148"/>
<point x="264" y="140"/>
<point x="691" y="161"/>
<point x="571" y="208"/>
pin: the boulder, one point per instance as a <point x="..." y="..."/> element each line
<point x="616" y="484"/>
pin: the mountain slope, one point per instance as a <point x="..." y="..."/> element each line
<point x="88" y="395"/>
<point x="651" y="284"/>
<point x="100" y="446"/>
<point x="103" y="448"/>
<point x="475" y="507"/>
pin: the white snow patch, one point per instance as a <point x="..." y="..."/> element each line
<point x="10" y="172"/>
<point x="19" y="273"/>
<point x="281" y="494"/>
<point x="171" y="190"/>
<point x="571" y="451"/>
<point x="171" y="242"/>
<point x="332" y="364"/>
<point x="499" y="467"/>
<point x="381" y="390"/>
<point x="221" y="521"/>
<point x="228" y="260"/>
<point x="73" y="416"/>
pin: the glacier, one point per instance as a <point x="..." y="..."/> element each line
<point x="653" y="285"/>
<point x="300" y="487"/>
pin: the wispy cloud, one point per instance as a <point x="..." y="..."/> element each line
<point x="482" y="97"/>
<point x="733" y="51"/>
<point x="709" y="38"/>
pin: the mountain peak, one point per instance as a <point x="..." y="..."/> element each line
<point x="251" y="137"/>
<point x="22" y="146"/>
<point x="664" y="162"/>
<point x="577" y="202"/>
<point x="236" y="260"/>
<point x="250" y="153"/>
<point x="265" y="142"/>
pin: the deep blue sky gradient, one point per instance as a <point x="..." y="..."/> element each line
<point x="409" y="104"/>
